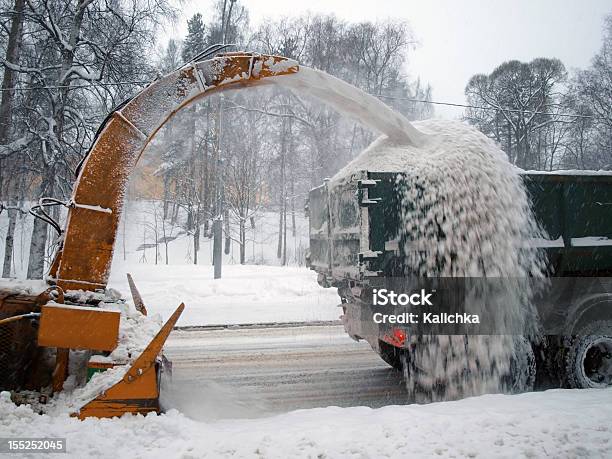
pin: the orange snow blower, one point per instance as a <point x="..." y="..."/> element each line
<point x="40" y="325"/>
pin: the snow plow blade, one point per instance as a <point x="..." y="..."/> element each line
<point x="138" y="391"/>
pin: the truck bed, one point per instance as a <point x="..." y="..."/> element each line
<point x="354" y="226"/>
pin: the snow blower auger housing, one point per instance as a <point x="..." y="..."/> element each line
<point x="37" y="322"/>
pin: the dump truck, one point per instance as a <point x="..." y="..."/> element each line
<point x="355" y="247"/>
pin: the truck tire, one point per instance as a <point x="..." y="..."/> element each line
<point x="522" y="375"/>
<point x="588" y="356"/>
<point x="400" y="360"/>
<point x="391" y="355"/>
<point x="521" y="378"/>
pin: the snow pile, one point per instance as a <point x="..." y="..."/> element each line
<point x="23" y="286"/>
<point x="559" y="423"/>
<point x="71" y="399"/>
<point x="464" y="206"/>
<point x="245" y="293"/>
<point x="464" y="213"/>
<point x="135" y="332"/>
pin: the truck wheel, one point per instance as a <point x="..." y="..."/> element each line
<point x="400" y="360"/>
<point x="391" y="354"/>
<point x="522" y="375"/>
<point x="588" y="358"/>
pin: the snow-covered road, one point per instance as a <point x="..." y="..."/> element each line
<point x="242" y="391"/>
<point x="261" y="371"/>
<point x="557" y="423"/>
<point x="233" y="387"/>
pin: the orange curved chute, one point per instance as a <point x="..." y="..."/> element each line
<point x="85" y="257"/>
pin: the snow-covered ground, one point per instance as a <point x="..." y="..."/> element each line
<point x="245" y="293"/>
<point x="556" y="423"/>
<point x="260" y="291"/>
<point x="141" y="227"/>
<point x="140" y="238"/>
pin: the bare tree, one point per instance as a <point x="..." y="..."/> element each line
<point x="10" y="183"/>
<point x="524" y="98"/>
<point x="71" y="44"/>
<point x="245" y="172"/>
<point x="592" y="88"/>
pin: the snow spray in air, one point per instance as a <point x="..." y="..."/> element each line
<point x="465" y="208"/>
<point x="464" y="213"/>
<point x="206" y="400"/>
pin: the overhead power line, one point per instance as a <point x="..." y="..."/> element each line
<point x="75" y="86"/>
<point x="502" y="109"/>
<point x="382" y="96"/>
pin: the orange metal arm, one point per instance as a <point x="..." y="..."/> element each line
<point x="148" y="356"/>
<point x="85" y="258"/>
<point x="138" y="391"/>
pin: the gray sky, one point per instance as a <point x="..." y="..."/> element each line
<point x="459" y="38"/>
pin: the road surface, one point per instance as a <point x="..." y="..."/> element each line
<point x="252" y="372"/>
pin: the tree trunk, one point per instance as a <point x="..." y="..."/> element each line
<point x="228" y="239"/>
<point x="39" y="232"/>
<point x="194" y="184"/>
<point x="293" y="225"/>
<point x="284" y="261"/>
<point x="283" y="207"/>
<point x="189" y="219"/>
<point x="9" y="243"/>
<point x="38" y="244"/>
<point x="67" y="61"/>
<point x="13" y="51"/>
<point x="510" y="154"/>
<point x="13" y="191"/>
<point x="196" y="239"/>
<point x="242" y="241"/>
<point x="206" y="188"/>
<point x="196" y="229"/>
<point x="175" y="211"/>
<point x="166" y="196"/>
<point x="279" y="248"/>
<point x="292" y="178"/>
